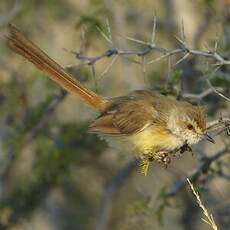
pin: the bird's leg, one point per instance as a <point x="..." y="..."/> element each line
<point x="160" y="157"/>
<point x="144" y="165"/>
<point x="145" y="161"/>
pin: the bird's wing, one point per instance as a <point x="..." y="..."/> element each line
<point x="126" y="117"/>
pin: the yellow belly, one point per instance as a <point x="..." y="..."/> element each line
<point x="150" y="140"/>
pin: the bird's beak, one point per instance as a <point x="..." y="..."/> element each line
<point x="209" y="138"/>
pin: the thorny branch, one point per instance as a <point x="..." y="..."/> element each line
<point x="150" y="47"/>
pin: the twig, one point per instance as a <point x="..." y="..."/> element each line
<point x="218" y="123"/>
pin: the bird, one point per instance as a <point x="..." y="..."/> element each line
<point x="145" y="123"/>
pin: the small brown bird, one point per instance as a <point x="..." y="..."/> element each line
<point x="145" y="123"/>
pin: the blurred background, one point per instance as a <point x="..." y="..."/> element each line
<point x="55" y="175"/>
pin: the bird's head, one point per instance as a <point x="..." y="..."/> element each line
<point x="188" y="122"/>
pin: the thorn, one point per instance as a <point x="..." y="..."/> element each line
<point x="158" y="59"/>
<point x="135" y="40"/>
<point x="154" y="30"/>
<point x="216" y="44"/>
<point x="104" y="35"/>
<point x="109" y="30"/>
<point x="70" y="51"/>
<point x="180" y="41"/>
<point x="82" y="40"/>
<point x="182" y="59"/>
<point x="108" y="67"/>
<point x="183" y="31"/>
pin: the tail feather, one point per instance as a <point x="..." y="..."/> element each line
<point x="23" y="46"/>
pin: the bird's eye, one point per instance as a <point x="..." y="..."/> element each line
<point x="189" y="126"/>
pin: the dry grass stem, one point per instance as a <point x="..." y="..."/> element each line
<point x="209" y="218"/>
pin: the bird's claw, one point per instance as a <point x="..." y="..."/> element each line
<point x="163" y="157"/>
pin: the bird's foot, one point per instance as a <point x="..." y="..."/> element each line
<point x="162" y="157"/>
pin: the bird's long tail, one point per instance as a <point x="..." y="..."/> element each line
<point x="20" y="44"/>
